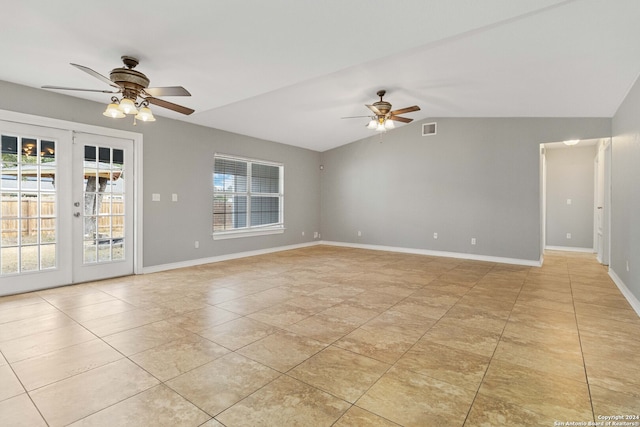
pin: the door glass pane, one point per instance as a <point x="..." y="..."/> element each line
<point x="9" y="260"/>
<point x="47" y="230"/>
<point x="104" y="197"/>
<point x="117" y="227"/>
<point x="29" y="151"/>
<point x="90" y="160"/>
<point x="47" y="256"/>
<point x="9" y="230"/>
<point x="29" y="258"/>
<point x="90" y="229"/>
<point x="28" y="215"/>
<point x="104" y="250"/>
<point x="89" y="252"/>
<point x="105" y="206"/>
<point x="29" y="231"/>
<point x="117" y="249"/>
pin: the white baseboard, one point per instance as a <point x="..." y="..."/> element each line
<point x="570" y="249"/>
<point x="633" y="300"/>
<point x="200" y="261"/>
<point x="475" y="257"/>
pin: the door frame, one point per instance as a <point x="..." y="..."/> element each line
<point x="603" y="155"/>
<point x="33" y="120"/>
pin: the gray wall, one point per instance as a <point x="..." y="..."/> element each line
<point x="476" y="178"/>
<point x="178" y="158"/>
<point x="625" y="192"/>
<point x="570" y="175"/>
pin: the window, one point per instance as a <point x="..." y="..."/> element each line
<point x="247" y="197"/>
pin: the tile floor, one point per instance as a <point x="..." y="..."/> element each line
<point x="325" y="336"/>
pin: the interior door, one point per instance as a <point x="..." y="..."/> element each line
<point x="103" y="217"/>
<point x="35" y="213"/>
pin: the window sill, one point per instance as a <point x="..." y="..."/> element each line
<point x="236" y="234"/>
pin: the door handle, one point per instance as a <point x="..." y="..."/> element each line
<point x="76" y="204"/>
<point x="77" y="214"/>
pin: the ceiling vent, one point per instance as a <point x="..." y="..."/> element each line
<point x="428" y="129"/>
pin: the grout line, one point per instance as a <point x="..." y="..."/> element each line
<point x="584" y="363"/>
<point x="495" y="349"/>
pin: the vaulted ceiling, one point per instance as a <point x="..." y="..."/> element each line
<point x="288" y="70"/>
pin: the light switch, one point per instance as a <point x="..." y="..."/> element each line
<point x="568" y="201"/>
<point x="174" y="197"/>
<point x="155" y="197"/>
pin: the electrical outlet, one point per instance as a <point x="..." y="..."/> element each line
<point x="435" y="235"/>
<point x="315" y="234"/>
<point x="359" y="233"/>
<point x="627" y="265"/>
<point x="196" y="244"/>
<point x="568" y="235"/>
<point x="473" y="240"/>
<point x="303" y="234"/>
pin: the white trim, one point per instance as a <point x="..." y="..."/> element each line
<point x="631" y="298"/>
<point x="220" y="258"/>
<point x="249" y="232"/>
<point x="570" y="249"/>
<point x="500" y="260"/>
<point x="247" y="159"/>
<point x="34" y="120"/>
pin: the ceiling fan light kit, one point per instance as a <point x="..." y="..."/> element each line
<point x="383" y="118"/>
<point x="113" y="110"/>
<point x="127" y="106"/>
<point x="145" y="115"/>
<point x="133" y="85"/>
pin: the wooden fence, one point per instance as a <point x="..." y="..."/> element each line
<point x="110" y="221"/>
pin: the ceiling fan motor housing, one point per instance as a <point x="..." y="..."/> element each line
<point x="133" y="82"/>
<point x="383" y="106"/>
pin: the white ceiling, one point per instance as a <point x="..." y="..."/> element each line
<point x="288" y="70"/>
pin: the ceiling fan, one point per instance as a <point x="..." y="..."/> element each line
<point x="132" y="84"/>
<point x="382" y="118"/>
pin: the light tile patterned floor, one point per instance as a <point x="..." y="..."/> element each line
<point x="325" y="336"/>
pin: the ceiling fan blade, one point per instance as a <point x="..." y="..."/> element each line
<point x="169" y="105"/>
<point x="167" y="91"/>
<point x="354" y="117"/>
<point x="405" y="110"/>
<point x="83" y="90"/>
<point x="374" y="109"/>
<point x="96" y="75"/>
<point x="400" y="119"/>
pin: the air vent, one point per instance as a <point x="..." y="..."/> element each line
<point x="428" y="129"/>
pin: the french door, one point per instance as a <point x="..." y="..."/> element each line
<point x="102" y="206"/>
<point x="66" y="211"/>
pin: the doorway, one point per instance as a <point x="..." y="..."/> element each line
<point x="68" y="207"/>
<point x="602" y="198"/>
<point x="575" y="196"/>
